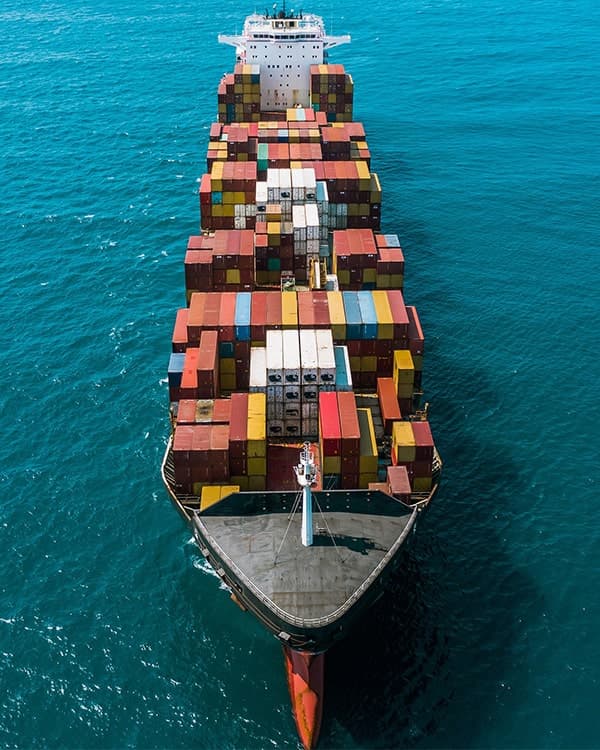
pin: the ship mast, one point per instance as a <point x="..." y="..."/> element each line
<point x="306" y="475"/>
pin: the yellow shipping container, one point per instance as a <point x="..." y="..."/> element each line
<point x="337" y="315"/>
<point x="384" y="281"/>
<point x="217" y="210"/>
<point x="368" y="364"/>
<point x="364" y="176"/>
<point x="211" y="494"/>
<point x="343" y="277"/>
<point x="403" y="442"/>
<point x="241" y="482"/>
<point x="229" y="210"/>
<point x="257" y="466"/>
<point x="364" y="480"/>
<point x="368" y="445"/>
<point x="422" y="484"/>
<point x="404" y="390"/>
<point x="229" y="489"/>
<point x="332" y="465"/>
<point x="257" y="431"/>
<point x="385" y="319"/>
<point x="232" y="276"/>
<point x="369" y="276"/>
<point x="354" y="364"/>
<point x="227" y="381"/>
<point x="396" y="280"/>
<point x="375" y="188"/>
<point x="227" y="365"/>
<point x="216" y="177"/>
<point x="257" y="483"/>
<point x="289" y="310"/>
<point x="404" y="368"/>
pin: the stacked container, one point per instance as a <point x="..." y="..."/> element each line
<point x="239" y="95"/>
<point x="331" y="92"/>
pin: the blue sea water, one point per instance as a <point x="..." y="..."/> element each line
<point x="483" y="121"/>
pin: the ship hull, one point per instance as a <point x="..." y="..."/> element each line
<point x="305" y="678"/>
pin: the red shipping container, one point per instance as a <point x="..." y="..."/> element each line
<point x="349" y="427"/>
<point x="258" y="316"/>
<point x="195" y="321"/>
<point x="189" y="377"/>
<point x="388" y="403"/>
<point x="320" y="304"/>
<point x="423" y="468"/>
<point x="208" y="365"/>
<point x="273" y="317"/>
<point x="329" y="420"/>
<point x="186" y="411"/>
<point x="416" y="339"/>
<point x="349" y="481"/>
<point x="212" y="309"/>
<point x="179" y="339"/>
<point x="399" y="482"/>
<point x="306" y="313"/>
<point x="399" y="314"/>
<point x="221" y="411"/>
<point x="227" y="316"/>
<point x="423" y="441"/>
<point x="238" y="426"/>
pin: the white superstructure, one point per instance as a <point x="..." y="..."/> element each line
<point x="284" y="46"/>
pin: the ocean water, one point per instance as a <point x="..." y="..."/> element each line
<point x="483" y="121"/>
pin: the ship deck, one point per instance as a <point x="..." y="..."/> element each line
<point x="356" y="533"/>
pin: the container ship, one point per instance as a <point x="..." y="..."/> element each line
<point x="299" y="453"/>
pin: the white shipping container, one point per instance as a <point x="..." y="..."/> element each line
<point x="299" y="247"/>
<point x="275" y="427"/>
<point x="309" y="428"/>
<point x="312" y="221"/>
<point x="273" y="191"/>
<point x="310" y="183"/>
<point x="309" y="362"/>
<point x="239" y="222"/>
<point x="309" y="393"/>
<point x="292" y="410"/>
<point x="292" y="427"/>
<point x="275" y="393"/>
<point x="291" y="394"/>
<point x="285" y="184"/>
<point x="325" y="356"/>
<point x="258" y="369"/>
<point x="298" y="189"/>
<point x="313" y="246"/>
<point x="261" y="193"/>
<point x="274" y="356"/>
<point x="276" y="410"/>
<point x="291" y="356"/>
<point x="250" y="209"/>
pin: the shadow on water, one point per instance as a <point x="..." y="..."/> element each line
<point x="425" y="667"/>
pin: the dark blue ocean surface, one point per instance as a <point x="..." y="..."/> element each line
<point x="483" y="121"/>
